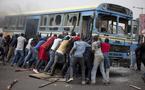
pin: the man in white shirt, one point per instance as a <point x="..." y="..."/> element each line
<point x="28" y="53"/>
<point x="98" y="61"/>
<point x="19" y="53"/>
<point x="54" y="47"/>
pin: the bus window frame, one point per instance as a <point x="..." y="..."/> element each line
<point x="68" y="25"/>
<point x="54" y="27"/>
<point x="21" y="22"/>
<point x="115" y="15"/>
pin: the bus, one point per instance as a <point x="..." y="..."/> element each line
<point x="106" y="20"/>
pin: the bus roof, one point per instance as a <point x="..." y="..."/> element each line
<point x="59" y="10"/>
<point x="102" y="7"/>
<point x="113" y="8"/>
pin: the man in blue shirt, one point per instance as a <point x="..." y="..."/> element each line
<point x="76" y="54"/>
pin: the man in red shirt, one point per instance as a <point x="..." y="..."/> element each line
<point x="42" y="51"/>
<point x="105" y="47"/>
<point x="42" y="54"/>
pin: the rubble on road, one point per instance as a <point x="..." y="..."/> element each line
<point x="9" y="87"/>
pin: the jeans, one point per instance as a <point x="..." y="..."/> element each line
<point x="65" y="65"/>
<point x="88" y="57"/>
<point x="66" y="70"/>
<point x="27" y="58"/>
<point x="107" y="74"/>
<point x="39" y="64"/>
<point x="97" y="63"/>
<point x="49" y="64"/>
<point x="73" y="62"/>
<point x="58" y="57"/>
<point x="26" y="51"/>
<point x="106" y="60"/>
<point x="34" y="58"/>
<point x="18" y="58"/>
<point x="107" y="65"/>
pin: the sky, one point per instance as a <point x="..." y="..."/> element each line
<point x="26" y="6"/>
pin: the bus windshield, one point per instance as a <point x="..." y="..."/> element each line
<point x="110" y="25"/>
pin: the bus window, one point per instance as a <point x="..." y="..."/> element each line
<point x="108" y="24"/>
<point x="51" y="21"/>
<point x="104" y="26"/>
<point x="66" y="19"/>
<point x="12" y="23"/>
<point x="121" y="28"/>
<point x="21" y="21"/>
<point x="44" y="20"/>
<point x="6" y="22"/>
<point x="71" y="20"/>
<point x="58" y="20"/>
<point x="54" y="22"/>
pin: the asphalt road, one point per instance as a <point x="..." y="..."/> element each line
<point x="121" y="79"/>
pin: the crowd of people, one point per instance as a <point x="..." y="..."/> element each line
<point x="69" y="55"/>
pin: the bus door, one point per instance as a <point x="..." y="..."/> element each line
<point x="87" y="25"/>
<point x="31" y="27"/>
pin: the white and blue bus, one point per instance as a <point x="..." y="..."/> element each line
<point x="108" y="20"/>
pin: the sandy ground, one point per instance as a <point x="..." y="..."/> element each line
<point x="121" y="79"/>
